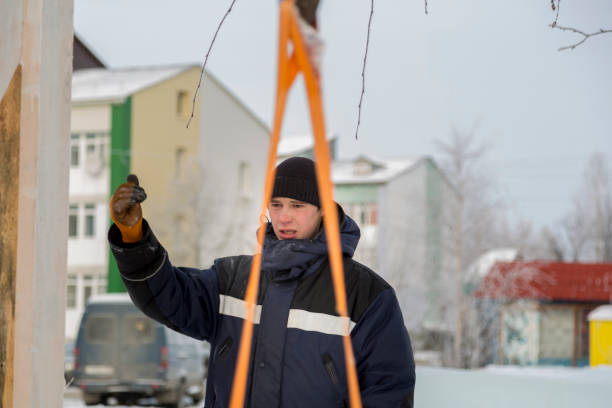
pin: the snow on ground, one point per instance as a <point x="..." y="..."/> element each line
<point x="496" y="387"/>
<point x="511" y="387"/>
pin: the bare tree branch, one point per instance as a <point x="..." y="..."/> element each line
<point x="552" y="4"/>
<point x="365" y="57"/>
<point x="585" y="35"/>
<point x="195" y="95"/>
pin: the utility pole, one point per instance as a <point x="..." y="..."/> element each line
<point x="35" y="81"/>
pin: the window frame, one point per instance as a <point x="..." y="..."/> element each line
<point x="75" y="150"/>
<point x="89" y="214"/>
<point x="73" y="214"/>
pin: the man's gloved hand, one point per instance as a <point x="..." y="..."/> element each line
<point x="125" y="209"/>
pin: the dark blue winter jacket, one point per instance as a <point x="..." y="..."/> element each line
<point x="297" y="356"/>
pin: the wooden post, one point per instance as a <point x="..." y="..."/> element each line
<point x="35" y="82"/>
<point x="576" y="335"/>
<point x="10" y="109"/>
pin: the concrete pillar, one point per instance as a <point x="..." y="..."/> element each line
<point x="37" y="46"/>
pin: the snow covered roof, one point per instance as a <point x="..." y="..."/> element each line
<point x="114" y="85"/>
<point x="366" y="170"/>
<point x="602" y="313"/>
<point x="483" y="264"/>
<point x="297" y="144"/>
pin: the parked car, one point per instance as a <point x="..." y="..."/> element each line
<point x="122" y="354"/>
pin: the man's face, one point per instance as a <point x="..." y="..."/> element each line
<point x="294" y="219"/>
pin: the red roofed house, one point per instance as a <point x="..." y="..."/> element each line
<point x="542" y="309"/>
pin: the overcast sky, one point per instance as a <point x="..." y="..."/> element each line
<point x="491" y="63"/>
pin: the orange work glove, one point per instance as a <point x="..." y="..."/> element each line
<point x="125" y="209"/>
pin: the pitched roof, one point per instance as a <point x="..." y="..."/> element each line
<point x="548" y="281"/>
<point x="367" y="170"/>
<point x="292" y="145"/>
<point x="114" y="85"/>
<point x="83" y="55"/>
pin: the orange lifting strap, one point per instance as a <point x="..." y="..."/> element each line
<point x="288" y="68"/>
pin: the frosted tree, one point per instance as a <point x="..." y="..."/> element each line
<point x="473" y="222"/>
<point x="179" y="219"/>
<point x="588" y="227"/>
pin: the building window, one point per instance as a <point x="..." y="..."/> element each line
<point x="90" y="144"/>
<point x="74" y="149"/>
<point x="88" y="287"/>
<point x="101" y="284"/>
<point x="71" y="291"/>
<point x="96" y="149"/>
<point x="73" y="221"/>
<point x="179" y="164"/>
<point x="90" y="220"/>
<point x="182" y="104"/>
<point x="363" y="213"/>
<point x="373" y="214"/>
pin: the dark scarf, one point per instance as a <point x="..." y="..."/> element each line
<point x="288" y="259"/>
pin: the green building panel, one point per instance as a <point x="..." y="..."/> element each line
<point x="120" y="143"/>
<point x="356" y="193"/>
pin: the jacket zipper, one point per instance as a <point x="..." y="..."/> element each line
<point x="225" y="347"/>
<point x="333" y="375"/>
<point x="330" y="368"/>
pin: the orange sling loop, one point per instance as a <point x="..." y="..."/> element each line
<point x="288" y="68"/>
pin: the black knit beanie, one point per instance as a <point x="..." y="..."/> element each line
<point x="296" y="178"/>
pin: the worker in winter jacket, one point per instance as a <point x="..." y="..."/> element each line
<point x="297" y="356"/>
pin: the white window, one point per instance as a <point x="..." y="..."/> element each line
<point x="71" y="291"/>
<point x="182" y="104"/>
<point x="90" y="144"/>
<point x="96" y="151"/>
<point x="88" y="287"/>
<point x="73" y="220"/>
<point x="90" y="220"/>
<point x="363" y="213"/>
<point x="75" y="147"/>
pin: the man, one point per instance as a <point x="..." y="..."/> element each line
<point x="297" y="357"/>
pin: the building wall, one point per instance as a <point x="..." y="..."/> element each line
<point x="360" y="202"/>
<point x="402" y="243"/>
<point x="439" y="257"/>
<point x="520" y="333"/>
<point x="90" y="130"/>
<point x="409" y="243"/>
<point x="90" y="177"/>
<point x="164" y="156"/>
<point x="533" y="333"/>
<point x="233" y="154"/>
<point x="556" y="345"/>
